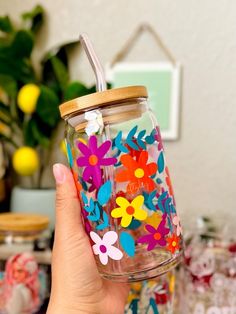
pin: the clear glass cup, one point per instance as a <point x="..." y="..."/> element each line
<point x="152" y="296"/>
<point x="117" y="158"/>
<point x="25" y="259"/>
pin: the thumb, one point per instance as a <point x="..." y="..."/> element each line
<point x="68" y="210"/>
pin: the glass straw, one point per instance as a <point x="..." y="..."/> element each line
<point x="94" y="61"/>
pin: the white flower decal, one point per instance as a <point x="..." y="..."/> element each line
<point x="104" y="246"/>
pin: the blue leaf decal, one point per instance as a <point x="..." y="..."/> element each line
<point x="130" y="136"/>
<point x="150" y="139"/>
<point x="161" y="163"/>
<point x="140" y="142"/>
<point x="105" y="223"/>
<point x="153" y="305"/>
<point x="104" y="193"/>
<point x="118" y="143"/>
<point x="172" y="209"/>
<point x="84" y="186"/>
<point x="127" y="243"/>
<point x="69" y="154"/>
<point x="89" y="208"/>
<point x="135" y="224"/>
<point x="170" y="224"/>
<point x="148" y="200"/>
<point x="84" y="198"/>
<point x="159" y="202"/>
<point x="96" y="216"/>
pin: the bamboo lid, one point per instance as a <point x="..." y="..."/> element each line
<point x="102" y="99"/>
<point x="20" y="222"/>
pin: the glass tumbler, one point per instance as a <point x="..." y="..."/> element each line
<point x="25" y="257"/>
<point x="117" y="159"/>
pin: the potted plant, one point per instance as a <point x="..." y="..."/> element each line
<point x="29" y="100"/>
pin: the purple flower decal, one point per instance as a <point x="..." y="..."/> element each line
<point x="156" y="235"/>
<point x="157" y="137"/>
<point x="93" y="159"/>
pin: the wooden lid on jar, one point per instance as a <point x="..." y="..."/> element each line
<point x="20" y="222"/>
<point x="103" y="98"/>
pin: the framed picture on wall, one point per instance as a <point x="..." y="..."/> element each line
<point x="162" y="80"/>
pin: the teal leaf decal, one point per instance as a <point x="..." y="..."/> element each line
<point x="118" y="143"/>
<point x="96" y="215"/>
<point x="130" y="137"/>
<point x="127" y="243"/>
<point x="89" y="208"/>
<point x="69" y="155"/>
<point x="105" y="223"/>
<point x="104" y="193"/>
<point x="161" y="163"/>
<point x="150" y="139"/>
<point x="135" y="224"/>
<point x="84" y="198"/>
<point x="148" y="200"/>
<point x="140" y="142"/>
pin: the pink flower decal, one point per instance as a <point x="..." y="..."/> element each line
<point x="93" y="159"/>
<point x="104" y="246"/>
<point x="176" y="222"/>
<point x="156" y="235"/>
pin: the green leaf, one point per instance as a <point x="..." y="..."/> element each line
<point x="74" y="90"/>
<point x="18" y="69"/>
<point x="8" y="84"/>
<point x="5" y="115"/>
<point x="5" y="24"/>
<point x="47" y="106"/>
<point x="33" y="134"/>
<point x="61" y="72"/>
<point x="34" y="17"/>
<point x="29" y="139"/>
<point x="22" y="44"/>
<point x="39" y="136"/>
<point x="49" y="75"/>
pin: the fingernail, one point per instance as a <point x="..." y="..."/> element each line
<point x="59" y="173"/>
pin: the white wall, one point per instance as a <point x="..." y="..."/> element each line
<point x="202" y="35"/>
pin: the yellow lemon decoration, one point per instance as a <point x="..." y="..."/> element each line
<point x="27" y="98"/>
<point x="25" y="161"/>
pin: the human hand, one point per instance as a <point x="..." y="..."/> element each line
<point x="77" y="286"/>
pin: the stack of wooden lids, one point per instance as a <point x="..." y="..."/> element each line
<point x="20" y="222"/>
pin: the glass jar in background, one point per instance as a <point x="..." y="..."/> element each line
<point x="117" y="159"/>
<point x="152" y="296"/>
<point x="207" y="280"/>
<point x="24" y="262"/>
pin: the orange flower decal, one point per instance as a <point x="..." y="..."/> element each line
<point x="76" y="180"/>
<point x="138" y="173"/>
<point x="168" y="182"/>
<point x="173" y="243"/>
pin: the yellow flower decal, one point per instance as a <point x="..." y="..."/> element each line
<point x="128" y="210"/>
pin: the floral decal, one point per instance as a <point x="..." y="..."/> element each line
<point x="127" y="211"/>
<point x="168" y="182"/>
<point x="136" y="191"/>
<point x="104" y="246"/>
<point x="156" y="236"/>
<point x="138" y="173"/>
<point x="173" y="243"/>
<point x="94" y="208"/>
<point x="176" y="222"/>
<point x="93" y="159"/>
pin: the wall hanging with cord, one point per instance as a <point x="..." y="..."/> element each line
<point x="162" y="79"/>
